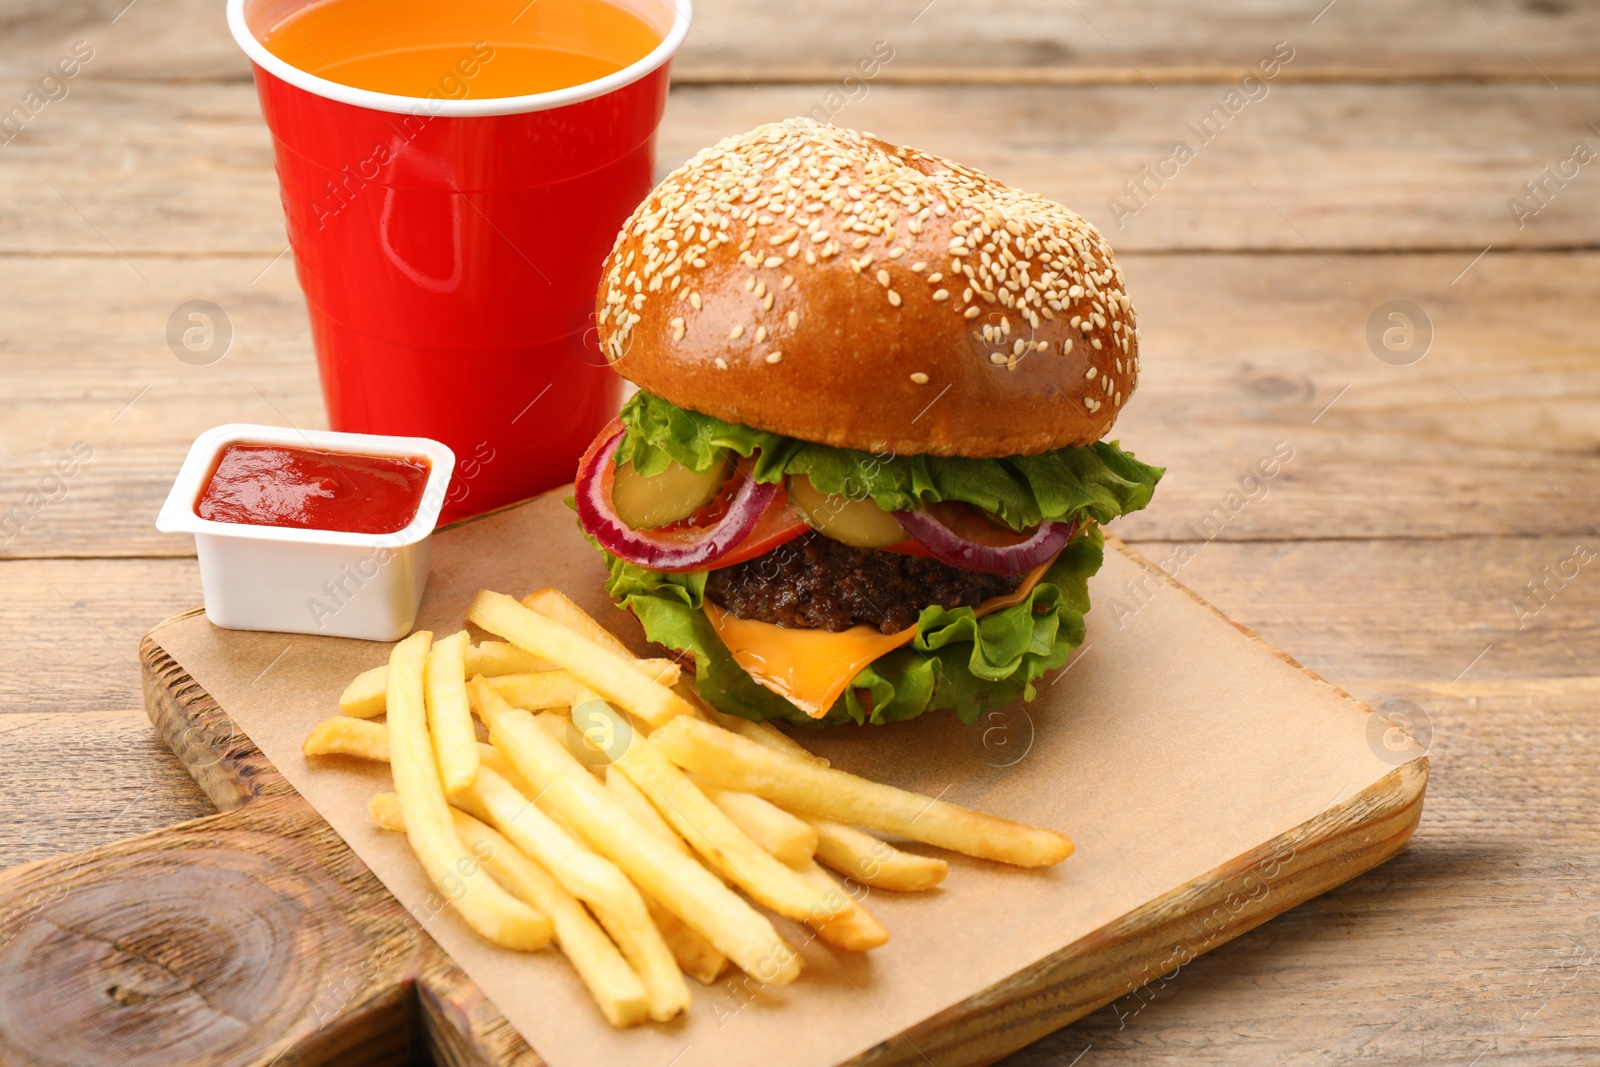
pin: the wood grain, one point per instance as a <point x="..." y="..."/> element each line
<point x="736" y="39"/>
<point x="299" y="956"/>
<point x="138" y="168"/>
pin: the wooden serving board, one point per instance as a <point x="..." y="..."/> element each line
<point x="258" y="936"/>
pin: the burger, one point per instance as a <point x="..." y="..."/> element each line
<point x="863" y="476"/>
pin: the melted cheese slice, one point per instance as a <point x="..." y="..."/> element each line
<point x="810" y="668"/>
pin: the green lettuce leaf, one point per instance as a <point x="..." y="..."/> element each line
<point x="1099" y="481"/>
<point x="957" y="661"/>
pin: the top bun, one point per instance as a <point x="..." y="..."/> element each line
<point x="824" y="284"/>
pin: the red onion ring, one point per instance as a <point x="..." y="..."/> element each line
<point x="950" y="547"/>
<point x="679" y="550"/>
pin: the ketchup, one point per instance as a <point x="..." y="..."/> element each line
<point x="309" y="489"/>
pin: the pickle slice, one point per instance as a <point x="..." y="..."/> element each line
<point x="854" y="522"/>
<point x="645" y="503"/>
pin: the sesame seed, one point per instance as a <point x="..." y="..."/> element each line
<point x="794" y="319"/>
<point x="721" y="363"/>
<point x="919" y="377"/>
<point x="780" y="182"/>
<point x="941" y="294"/>
<point x="788" y="280"/>
<point x="883" y="277"/>
<point x="737" y="331"/>
<point x="774" y="357"/>
<point x="999" y="359"/>
<point x="1091" y="373"/>
<point x="894" y="298"/>
<point x="761" y="334"/>
<point x="1095" y="343"/>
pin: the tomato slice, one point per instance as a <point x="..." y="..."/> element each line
<point x="779" y="524"/>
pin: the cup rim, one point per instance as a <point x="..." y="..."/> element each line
<point x="683" y="11"/>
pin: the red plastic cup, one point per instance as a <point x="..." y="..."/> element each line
<point x="450" y="248"/>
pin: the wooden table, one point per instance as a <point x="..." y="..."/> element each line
<point x="1429" y="484"/>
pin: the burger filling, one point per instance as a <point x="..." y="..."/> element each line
<point x="813" y="583"/>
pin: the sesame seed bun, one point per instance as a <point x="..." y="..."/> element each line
<point x="824" y="284"/>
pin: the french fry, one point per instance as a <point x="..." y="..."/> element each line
<point x="612" y="675"/>
<point x="494" y="658"/>
<point x="645" y="814"/>
<point x="344" y="736"/>
<point x="728" y="849"/>
<point x="363" y="698"/>
<point x="554" y="689"/>
<point x="698" y="957"/>
<point x="455" y="743"/>
<point x="791" y="840"/>
<point x="341" y="736"/>
<point x="764" y="733"/>
<point x="552" y="603"/>
<point x="685" y="888"/>
<point x="485" y="906"/>
<point x="594" y="880"/>
<point x="873" y="861"/>
<point x="854" y="928"/>
<point x="613" y="985"/>
<point x="738" y="763"/>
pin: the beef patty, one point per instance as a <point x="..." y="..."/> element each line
<point x="817" y="583"/>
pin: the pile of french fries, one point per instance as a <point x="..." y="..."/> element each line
<point x="641" y="840"/>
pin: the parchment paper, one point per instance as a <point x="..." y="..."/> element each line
<point x="1172" y="744"/>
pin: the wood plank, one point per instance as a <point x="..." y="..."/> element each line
<point x="131" y="168"/>
<point x="734" y="39"/>
<point x="1478" y="941"/>
<point x="1308" y="166"/>
<point x="72" y="630"/>
<point x="82" y="779"/>
<point x="1435" y="609"/>
<point x="1240" y="353"/>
